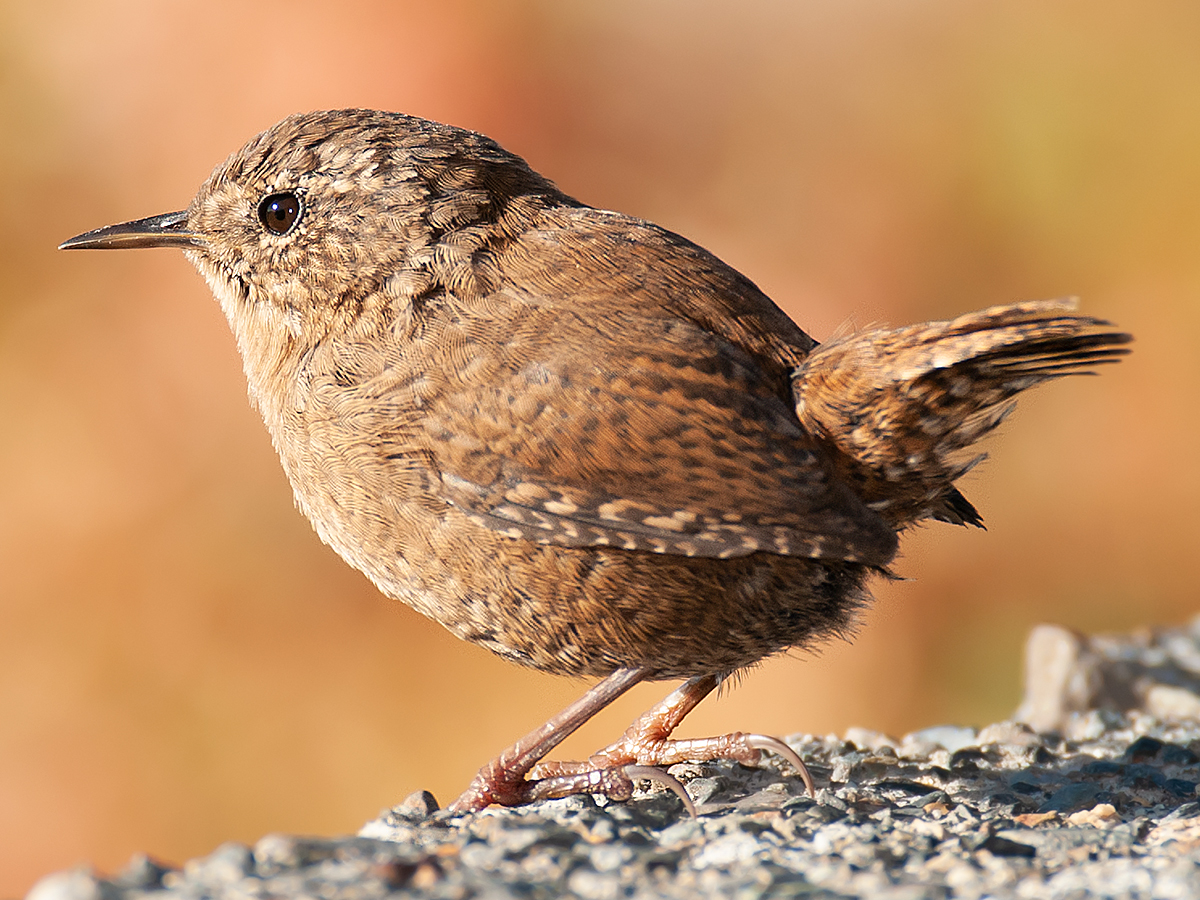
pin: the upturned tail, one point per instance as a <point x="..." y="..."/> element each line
<point x="902" y="408"/>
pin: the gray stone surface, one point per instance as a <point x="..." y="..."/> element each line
<point x="1102" y="804"/>
<point x="1068" y="673"/>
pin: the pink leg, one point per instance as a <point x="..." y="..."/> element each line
<point x="647" y="743"/>
<point x="644" y="747"/>
<point x="503" y="779"/>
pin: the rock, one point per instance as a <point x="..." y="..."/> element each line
<point x="78" y="884"/>
<point x="1167" y="702"/>
<point x="948" y="737"/>
<point x="1061" y="677"/>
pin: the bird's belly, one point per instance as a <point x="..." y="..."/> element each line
<point x="570" y="610"/>
<point x="589" y="611"/>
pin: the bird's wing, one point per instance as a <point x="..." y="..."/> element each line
<point x="638" y="431"/>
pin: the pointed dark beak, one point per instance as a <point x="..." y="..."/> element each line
<point x="167" y="230"/>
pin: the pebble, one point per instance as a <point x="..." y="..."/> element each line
<point x="1169" y="702"/>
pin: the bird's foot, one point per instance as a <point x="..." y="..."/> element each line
<point x="507" y="786"/>
<point x="649" y="753"/>
<point x="643" y="752"/>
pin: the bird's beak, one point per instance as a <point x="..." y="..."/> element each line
<point x="168" y="230"/>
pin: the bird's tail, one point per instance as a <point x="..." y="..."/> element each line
<point x="902" y="408"/>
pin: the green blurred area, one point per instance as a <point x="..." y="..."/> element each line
<point x="183" y="663"/>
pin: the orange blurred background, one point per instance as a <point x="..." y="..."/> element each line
<point x="182" y="662"/>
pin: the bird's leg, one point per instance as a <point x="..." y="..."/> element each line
<point x="640" y="753"/>
<point x="646" y="745"/>
<point x="503" y="779"/>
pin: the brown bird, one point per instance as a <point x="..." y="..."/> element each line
<point x="572" y="436"/>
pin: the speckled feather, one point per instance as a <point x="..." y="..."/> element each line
<point x="568" y="434"/>
<point x="901" y="409"/>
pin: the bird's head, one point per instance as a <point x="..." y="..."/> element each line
<point x="328" y="211"/>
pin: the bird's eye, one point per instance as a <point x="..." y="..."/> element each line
<point x="279" y="212"/>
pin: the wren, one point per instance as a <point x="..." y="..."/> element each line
<point x="572" y="436"/>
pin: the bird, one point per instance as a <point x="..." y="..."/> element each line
<point x="574" y="437"/>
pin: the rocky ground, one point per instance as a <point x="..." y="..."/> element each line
<point x="1089" y="792"/>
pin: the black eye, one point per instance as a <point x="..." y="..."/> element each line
<point x="279" y="212"/>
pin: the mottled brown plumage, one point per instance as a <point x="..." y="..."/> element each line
<point x="570" y="435"/>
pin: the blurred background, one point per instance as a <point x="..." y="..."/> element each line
<point x="182" y="662"/>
